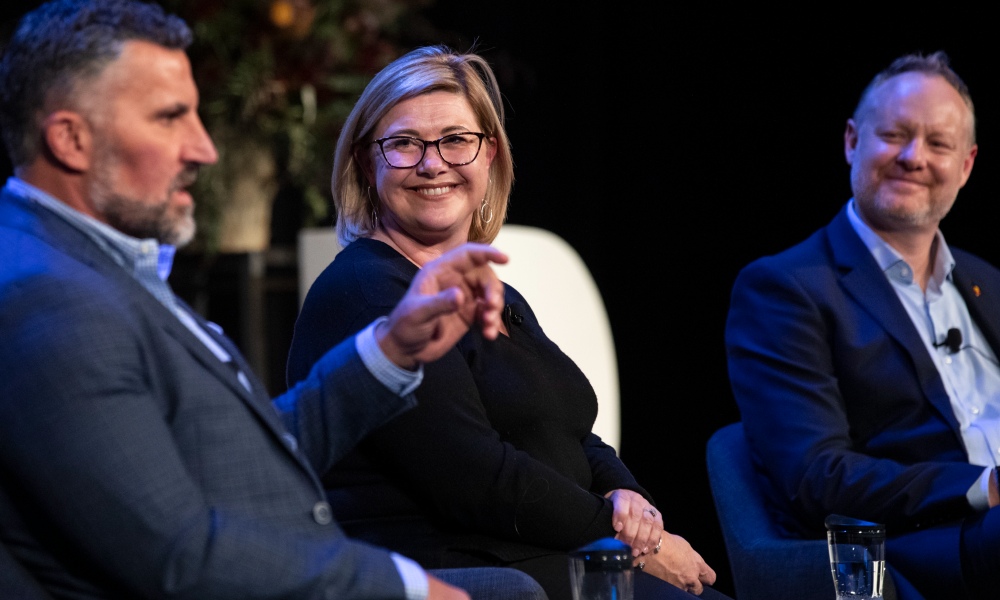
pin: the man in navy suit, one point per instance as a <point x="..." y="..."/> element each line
<point x="864" y="359"/>
<point x="139" y="456"/>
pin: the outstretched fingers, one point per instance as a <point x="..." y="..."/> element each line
<point x="447" y="296"/>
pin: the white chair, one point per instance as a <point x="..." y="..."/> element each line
<point x="557" y="284"/>
<point x="316" y="249"/>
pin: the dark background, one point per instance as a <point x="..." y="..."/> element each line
<point x="672" y="146"/>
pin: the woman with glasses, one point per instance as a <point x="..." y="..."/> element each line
<point x="497" y="464"/>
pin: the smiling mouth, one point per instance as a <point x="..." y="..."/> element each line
<point x="902" y="181"/>
<point x="435" y="191"/>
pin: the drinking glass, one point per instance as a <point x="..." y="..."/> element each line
<point x="857" y="557"/>
<point x="602" y="571"/>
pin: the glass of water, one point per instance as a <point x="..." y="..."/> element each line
<point x="602" y="570"/>
<point x="857" y="557"/>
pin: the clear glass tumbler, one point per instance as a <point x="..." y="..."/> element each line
<point x="857" y="557"/>
<point x="602" y="571"/>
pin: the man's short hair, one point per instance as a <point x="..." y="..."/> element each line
<point x="937" y="63"/>
<point x="62" y="43"/>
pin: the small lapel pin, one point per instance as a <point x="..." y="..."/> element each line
<point x="976" y="290"/>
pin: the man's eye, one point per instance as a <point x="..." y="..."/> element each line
<point x="168" y="117"/>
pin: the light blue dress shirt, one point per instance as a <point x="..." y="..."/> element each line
<point x="972" y="374"/>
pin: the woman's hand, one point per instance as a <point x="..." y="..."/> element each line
<point x="635" y="520"/>
<point x="677" y="563"/>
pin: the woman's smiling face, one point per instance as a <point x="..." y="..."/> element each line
<point x="432" y="202"/>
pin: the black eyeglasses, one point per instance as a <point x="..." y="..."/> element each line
<point x="456" y="149"/>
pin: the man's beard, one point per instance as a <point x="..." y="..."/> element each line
<point x="882" y="210"/>
<point x="143" y="219"/>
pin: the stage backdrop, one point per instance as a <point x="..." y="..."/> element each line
<point x="672" y="146"/>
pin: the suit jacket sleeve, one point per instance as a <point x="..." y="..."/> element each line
<point x="337" y="405"/>
<point x="608" y="470"/>
<point x="123" y="450"/>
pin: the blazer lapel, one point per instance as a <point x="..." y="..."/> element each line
<point x="256" y="398"/>
<point x="865" y="282"/>
<point x="228" y="371"/>
<point x="27" y="216"/>
<point x="981" y="292"/>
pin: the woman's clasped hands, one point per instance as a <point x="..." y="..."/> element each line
<point x="636" y="521"/>
<point x="657" y="552"/>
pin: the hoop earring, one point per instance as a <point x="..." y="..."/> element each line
<point x="482" y="212"/>
<point x="374" y="210"/>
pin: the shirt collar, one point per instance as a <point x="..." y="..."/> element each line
<point x="891" y="262"/>
<point x="129" y="252"/>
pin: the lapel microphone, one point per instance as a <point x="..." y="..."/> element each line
<point x="953" y="340"/>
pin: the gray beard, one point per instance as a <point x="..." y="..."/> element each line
<point x="141" y="220"/>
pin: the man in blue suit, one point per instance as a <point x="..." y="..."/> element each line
<point x="139" y="456"/>
<point x="864" y="359"/>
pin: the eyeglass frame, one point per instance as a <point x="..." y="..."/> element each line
<point x="427" y="143"/>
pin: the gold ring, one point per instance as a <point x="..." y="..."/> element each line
<point x="657" y="549"/>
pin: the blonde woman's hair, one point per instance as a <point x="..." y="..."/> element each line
<point x="420" y="71"/>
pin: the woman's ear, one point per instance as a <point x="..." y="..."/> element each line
<point x="491" y="149"/>
<point x="365" y="165"/>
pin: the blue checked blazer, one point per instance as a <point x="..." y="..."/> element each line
<point x="134" y="464"/>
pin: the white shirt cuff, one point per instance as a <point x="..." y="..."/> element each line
<point x="391" y="375"/>
<point x="414" y="577"/>
<point x="979" y="494"/>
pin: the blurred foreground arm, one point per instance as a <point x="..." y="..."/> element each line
<point x="446" y="297"/>
<point x="439" y="590"/>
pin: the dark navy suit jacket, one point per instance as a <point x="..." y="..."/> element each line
<point x="843" y="407"/>
<point x="132" y="461"/>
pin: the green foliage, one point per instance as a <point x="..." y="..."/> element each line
<point x="283" y="75"/>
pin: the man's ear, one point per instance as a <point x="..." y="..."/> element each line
<point x="850" y="140"/>
<point x="68" y="140"/>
